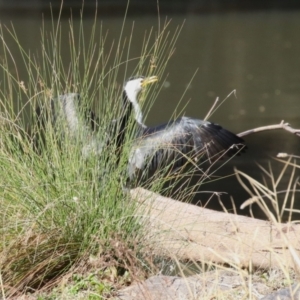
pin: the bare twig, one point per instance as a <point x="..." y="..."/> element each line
<point x="282" y="125"/>
<point x="285" y="155"/>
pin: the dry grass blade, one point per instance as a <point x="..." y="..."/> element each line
<point x="279" y="198"/>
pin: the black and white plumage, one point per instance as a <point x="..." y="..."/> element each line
<point x="173" y="144"/>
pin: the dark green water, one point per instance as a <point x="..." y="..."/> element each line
<point x="256" y="54"/>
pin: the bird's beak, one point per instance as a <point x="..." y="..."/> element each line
<point x="149" y="80"/>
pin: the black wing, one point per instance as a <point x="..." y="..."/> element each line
<point x="173" y="144"/>
<point x="66" y="117"/>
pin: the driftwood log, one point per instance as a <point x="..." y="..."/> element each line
<point x="182" y="231"/>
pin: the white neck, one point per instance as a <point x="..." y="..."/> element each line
<point x="132" y="95"/>
<point x="137" y="112"/>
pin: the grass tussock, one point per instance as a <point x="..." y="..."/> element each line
<point x="61" y="212"/>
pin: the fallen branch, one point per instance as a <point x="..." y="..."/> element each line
<point x="282" y="125"/>
<point x="187" y="232"/>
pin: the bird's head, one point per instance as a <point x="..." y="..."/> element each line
<point x="135" y="85"/>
